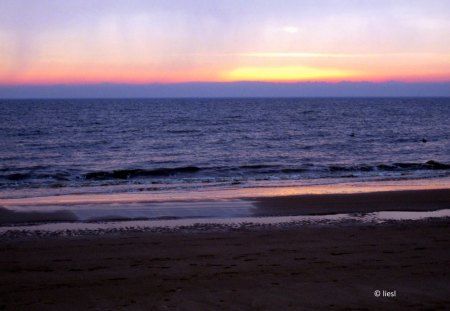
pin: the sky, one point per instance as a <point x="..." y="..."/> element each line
<point x="142" y="42"/>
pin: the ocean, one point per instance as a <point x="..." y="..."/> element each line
<point x="52" y="148"/>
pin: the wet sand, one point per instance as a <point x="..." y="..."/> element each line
<point x="321" y="204"/>
<point x="321" y="267"/>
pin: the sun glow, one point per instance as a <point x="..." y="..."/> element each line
<point x="288" y="74"/>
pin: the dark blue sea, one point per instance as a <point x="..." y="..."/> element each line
<point x="195" y="143"/>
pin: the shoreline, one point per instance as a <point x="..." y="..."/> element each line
<point x="326" y="204"/>
<point x="195" y="226"/>
<point x="270" y="189"/>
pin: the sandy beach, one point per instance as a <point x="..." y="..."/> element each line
<point x="297" y="267"/>
<point x="312" y="268"/>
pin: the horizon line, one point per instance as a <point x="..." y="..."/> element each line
<point x="243" y="89"/>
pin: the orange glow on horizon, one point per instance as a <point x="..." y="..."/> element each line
<point x="240" y="75"/>
<point x="94" y="75"/>
<point x="263" y="67"/>
<point x="235" y="76"/>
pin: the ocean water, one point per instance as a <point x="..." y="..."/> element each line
<point x="195" y="143"/>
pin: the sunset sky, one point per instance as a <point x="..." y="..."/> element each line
<point x="168" y="41"/>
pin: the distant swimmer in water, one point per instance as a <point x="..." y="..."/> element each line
<point x="424" y="140"/>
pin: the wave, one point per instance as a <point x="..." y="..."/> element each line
<point x="62" y="176"/>
<point x="222" y="172"/>
<point x="126" y="174"/>
<point x="264" y="169"/>
<point x="17" y="176"/>
<point x="430" y="165"/>
<point x="183" y="131"/>
<point x="260" y="166"/>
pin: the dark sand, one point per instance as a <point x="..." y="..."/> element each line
<point x="309" y="268"/>
<point x="320" y="267"/>
<point x="320" y="204"/>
